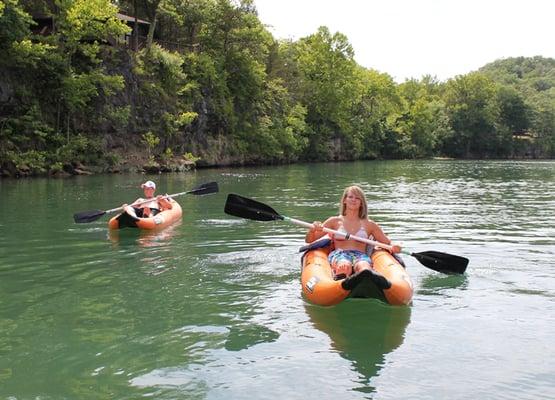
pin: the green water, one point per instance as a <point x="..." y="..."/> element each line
<point x="211" y="308"/>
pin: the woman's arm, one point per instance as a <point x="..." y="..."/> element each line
<point x="379" y="235"/>
<point x="318" y="231"/>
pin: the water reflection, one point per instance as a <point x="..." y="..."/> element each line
<point x="363" y="332"/>
<point x="143" y="238"/>
<point x="155" y="246"/>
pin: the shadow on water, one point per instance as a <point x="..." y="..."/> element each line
<point x="243" y="337"/>
<point x="436" y="284"/>
<point x="362" y="332"/>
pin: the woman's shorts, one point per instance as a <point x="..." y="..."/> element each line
<point x="351" y="256"/>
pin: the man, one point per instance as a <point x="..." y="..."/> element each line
<point x="148" y="206"/>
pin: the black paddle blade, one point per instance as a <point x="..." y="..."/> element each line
<point x="88" y="216"/>
<point x="205" y="188"/>
<point x="442" y="262"/>
<point x="239" y="206"/>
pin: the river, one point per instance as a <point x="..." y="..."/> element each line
<point x="211" y="307"/>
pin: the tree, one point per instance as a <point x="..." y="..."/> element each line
<point x="424" y="120"/>
<point x="14" y="24"/>
<point x="327" y="71"/>
<point x="473" y="112"/>
<point x="376" y="101"/>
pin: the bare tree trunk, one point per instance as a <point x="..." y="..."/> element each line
<point x="135" y="45"/>
<point x="58" y="127"/>
<point x="67" y="128"/>
<point x="151" y="29"/>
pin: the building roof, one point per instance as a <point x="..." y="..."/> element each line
<point x="127" y="18"/>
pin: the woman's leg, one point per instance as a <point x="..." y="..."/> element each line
<point x="342" y="270"/>
<point x="361" y="265"/>
<point x="341" y="264"/>
<point x="363" y="262"/>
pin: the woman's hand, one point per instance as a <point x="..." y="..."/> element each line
<point x="396" y="248"/>
<point x="317" y="226"/>
<point x="316" y="232"/>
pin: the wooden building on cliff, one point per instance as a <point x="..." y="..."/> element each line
<point x="46" y="25"/>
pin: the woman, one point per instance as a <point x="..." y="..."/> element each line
<point x="149" y="205"/>
<point x="350" y="255"/>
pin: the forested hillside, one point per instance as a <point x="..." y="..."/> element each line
<point x="157" y="84"/>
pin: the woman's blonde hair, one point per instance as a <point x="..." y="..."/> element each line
<point x="363" y="210"/>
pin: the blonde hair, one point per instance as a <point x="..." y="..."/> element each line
<point x="363" y="209"/>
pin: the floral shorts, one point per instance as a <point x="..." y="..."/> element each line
<point x="351" y="256"/>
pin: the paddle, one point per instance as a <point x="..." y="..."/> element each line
<point x="243" y="207"/>
<point x="90" y="216"/>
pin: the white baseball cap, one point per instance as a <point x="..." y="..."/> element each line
<point x="149" y="184"/>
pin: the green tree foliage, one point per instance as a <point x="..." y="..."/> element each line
<point x="210" y="80"/>
<point x="59" y="79"/>
<point x="281" y="132"/>
<point x="386" y="109"/>
<point x="423" y="123"/>
<point x="83" y="26"/>
<point x="473" y="111"/>
<point x="327" y="87"/>
<point x="15" y="23"/>
<point x="528" y="98"/>
<point x="514" y="112"/>
<point x="376" y="99"/>
<point x="543" y="122"/>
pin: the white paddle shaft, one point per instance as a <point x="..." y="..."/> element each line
<point x="344" y="234"/>
<point x="167" y="196"/>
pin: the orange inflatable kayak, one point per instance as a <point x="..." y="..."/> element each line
<point x="388" y="281"/>
<point x="159" y="221"/>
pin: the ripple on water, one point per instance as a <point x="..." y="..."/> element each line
<point x="214" y="308"/>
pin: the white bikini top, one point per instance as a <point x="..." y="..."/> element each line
<point x="360" y="233"/>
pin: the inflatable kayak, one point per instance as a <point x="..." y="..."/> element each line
<point x="159" y="221"/>
<point x="387" y="281"/>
